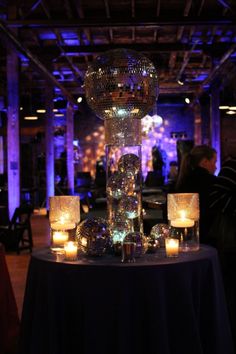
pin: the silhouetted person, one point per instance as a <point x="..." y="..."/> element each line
<point x="223" y="233"/>
<point x="196" y="175"/>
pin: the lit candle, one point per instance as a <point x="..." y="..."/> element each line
<point x="71" y="250"/>
<point x="62" y="226"/>
<point x="60" y="237"/>
<point x="172" y="247"/>
<point x="182" y="221"/>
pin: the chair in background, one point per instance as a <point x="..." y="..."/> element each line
<point x="17" y="235"/>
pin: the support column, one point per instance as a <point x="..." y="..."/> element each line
<point x="197" y="124"/>
<point x="13" y="133"/>
<point x="215" y="128"/>
<point x="70" y="147"/>
<point x="49" y="140"/>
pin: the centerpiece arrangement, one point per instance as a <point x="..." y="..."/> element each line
<point x="121" y="87"/>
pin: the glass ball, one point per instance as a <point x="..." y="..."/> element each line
<point x="121" y="83"/>
<point x="159" y="232"/>
<point x="119" y="228"/>
<point x="129" y="163"/>
<point x="93" y="236"/>
<point x="117" y="185"/>
<point x="130" y="206"/>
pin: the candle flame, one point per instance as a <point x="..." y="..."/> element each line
<point x="182" y="214"/>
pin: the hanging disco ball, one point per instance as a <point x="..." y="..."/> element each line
<point x="121" y="83"/>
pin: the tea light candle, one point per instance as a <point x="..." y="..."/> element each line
<point x="182" y="221"/>
<point x="62" y="226"/>
<point x="71" y="249"/>
<point x="172" y="247"/>
<point x="60" y="237"/>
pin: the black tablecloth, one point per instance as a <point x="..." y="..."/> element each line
<point x="9" y="320"/>
<point x="100" y="306"/>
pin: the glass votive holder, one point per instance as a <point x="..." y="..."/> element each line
<point x="128" y="252"/>
<point x="64" y="216"/>
<point x="71" y="251"/>
<point x="183" y="216"/>
<point x="172" y="247"/>
<point x="128" y="249"/>
<point x="60" y="256"/>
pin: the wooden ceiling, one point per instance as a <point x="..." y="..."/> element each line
<point x="189" y="40"/>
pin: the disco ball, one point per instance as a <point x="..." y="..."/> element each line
<point x="121" y="83"/>
<point x="130" y="206"/>
<point x="129" y="163"/>
<point x="93" y="236"/>
<point x="159" y="232"/>
<point x="152" y="245"/>
<point x="119" y="229"/>
<point x="117" y="185"/>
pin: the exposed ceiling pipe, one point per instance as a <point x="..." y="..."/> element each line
<point x="219" y="65"/>
<point x="186" y="60"/>
<point x="33" y="7"/>
<point x="43" y="70"/>
<point x="224" y="4"/>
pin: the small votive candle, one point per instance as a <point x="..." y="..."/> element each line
<point x="62" y="226"/>
<point x="59" y="237"/>
<point x="182" y="222"/>
<point x="172" y="247"/>
<point x="71" y="250"/>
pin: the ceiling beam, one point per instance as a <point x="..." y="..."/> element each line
<point x="185" y="61"/>
<point x="9" y="36"/>
<point x="217" y="68"/>
<point x="215" y="48"/>
<point x="126" y="22"/>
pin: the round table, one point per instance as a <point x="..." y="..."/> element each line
<point x="157" y="305"/>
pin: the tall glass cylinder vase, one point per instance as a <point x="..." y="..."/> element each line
<point x="124" y="178"/>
